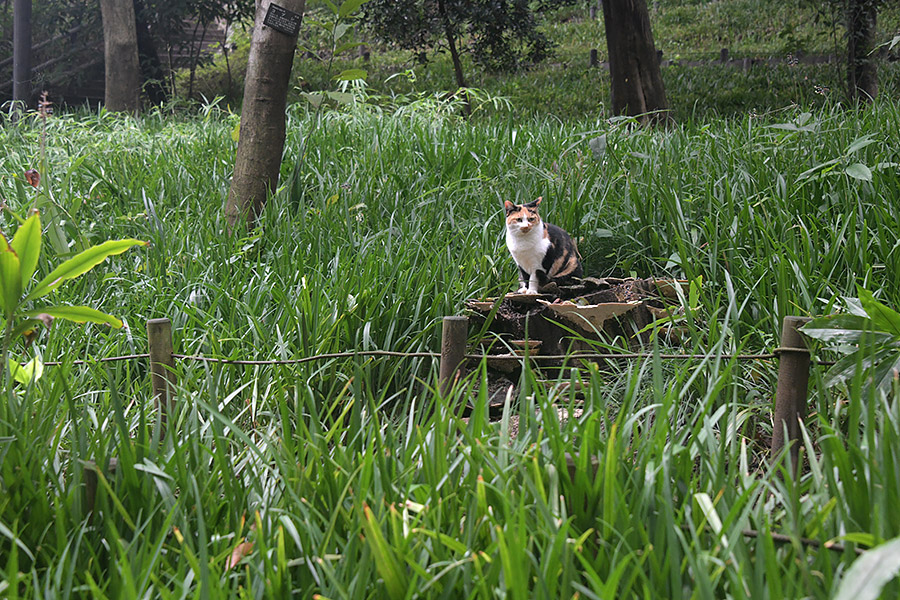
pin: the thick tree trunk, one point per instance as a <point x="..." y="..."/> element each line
<point x="637" y="87"/>
<point x="262" y="134"/>
<point x="862" y="68"/>
<point x="123" y="71"/>
<point x="22" y="51"/>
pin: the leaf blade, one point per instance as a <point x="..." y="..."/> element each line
<point x="81" y="263"/>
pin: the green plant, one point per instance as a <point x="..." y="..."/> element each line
<point x="868" y="335"/>
<point x="18" y="262"/>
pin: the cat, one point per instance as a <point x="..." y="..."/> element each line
<point x="543" y="252"/>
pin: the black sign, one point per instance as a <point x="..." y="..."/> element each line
<point x="283" y="20"/>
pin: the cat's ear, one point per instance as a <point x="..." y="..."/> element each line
<point x="534" y="203"/>
<point x="509" y="206"/>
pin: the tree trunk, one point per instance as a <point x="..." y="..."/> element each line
<point x="22" y="52"/>
<point x="262" y="134"/>
<point x="152" y="73"/>
<point x="454" y="53"/>
<point x="862" y="69"/>
<point x="123" y="71"/>
<point x="637" y="88"/>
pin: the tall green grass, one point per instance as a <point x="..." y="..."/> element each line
<point x="356" y="478"/>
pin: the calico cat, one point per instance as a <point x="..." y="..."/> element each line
<point x="543" y="252"/>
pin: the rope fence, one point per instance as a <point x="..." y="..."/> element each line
<point x="791" y="395"/>
<point x="793" y="356"/>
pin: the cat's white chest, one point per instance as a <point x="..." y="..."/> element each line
<point x="529" y="248"/>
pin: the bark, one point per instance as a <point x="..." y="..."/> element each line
<point x="22" y="51"/>
<point x="262" y="133"/>
<point x="862" y="69"/>
<point x="123" y="71"/>
<point x="636" y="85"/>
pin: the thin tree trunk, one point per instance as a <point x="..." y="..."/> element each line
<point x="454" y="53"/>
<point x="637" y="87"/>
<point x="195" y="58"/>
<point x="862" y="68"/>
<point x="123" y="72"/>
<point x="230" y="88"/>
<point x="22" y="51"/>
<point x="262" y="133"/>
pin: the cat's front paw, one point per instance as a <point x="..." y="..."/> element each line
<point x="522" y="290"/>
<point x="530" y="292"/>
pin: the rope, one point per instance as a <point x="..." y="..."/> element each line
<point x="96" y="360"/>
<point x="532" y="357"/>
<point x="542" y="358"/>
<point x="297" y="361"/>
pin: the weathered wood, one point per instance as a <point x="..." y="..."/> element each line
<point x="162" y="365"/>
<point x="791" y="391"/>
<point x="454" y="332"/>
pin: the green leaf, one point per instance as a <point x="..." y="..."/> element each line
<point x="882" y="317"/>
<point x="27" y="245"/>
<point x="78" y="314"/>
<point x="80" y="264"/>
<point x="314" y="98"/>
<point x="27" y="373"/>
<point x="386" y="562"/>
<point x="351" y="75"/>
<point x="845" y="329"/>
<point x="340" y="97"/>
<point x="348" y="7"/>
<point x="347" y="46"/>
<point x="860" y="143"/>
<point x="868" y="575"/>
<point x="339" y="30"/>
<point x="10" y="282"/>
<point x="859" y="171"/>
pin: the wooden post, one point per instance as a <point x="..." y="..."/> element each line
<point x="790" y="394"/>
<point x="453" y="351"/>
<point x="594" y="60"/>
<point x="723" y="56"/>
<point x="162" y="363"/>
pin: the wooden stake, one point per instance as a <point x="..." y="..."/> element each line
<point x="162" y="365"/>
<point x="791" y="392"/>
<point x="454" y="332"/>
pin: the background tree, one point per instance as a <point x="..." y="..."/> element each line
<point x="862" y="65"/>
<point x="22" y="51"/>
<point x="123" y="74"/>
<point x="636" y="85"/>
<point x="262" y="132"/>
<point x="498" y="34"/>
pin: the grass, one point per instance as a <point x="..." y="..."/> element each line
<point x="355" y="478"/>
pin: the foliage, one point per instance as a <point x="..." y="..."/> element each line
<point x="500" y="35"/>
<point x="353" y="478"/>
<point x="18" y="261"/>
<point x="869" y="335"/>
<point x="61" y="28"/>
